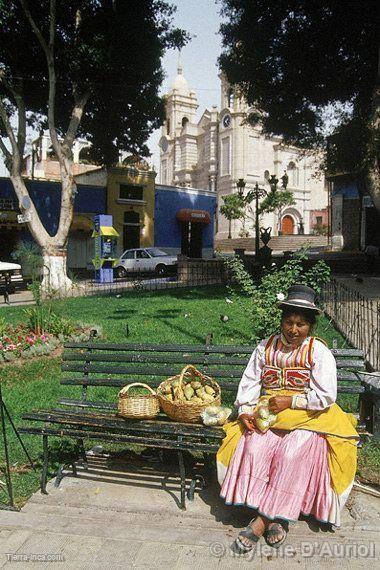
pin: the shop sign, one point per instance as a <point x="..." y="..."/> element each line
<point x="24" y="218"/>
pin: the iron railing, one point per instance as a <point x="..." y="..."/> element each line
<point x="356" y="317"/>
<point x="191" y="274"/>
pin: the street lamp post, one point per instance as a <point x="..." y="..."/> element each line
<point x="258" y="193"/>
<point x="240" y="186"/>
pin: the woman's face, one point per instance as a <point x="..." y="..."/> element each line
<point x="295" y="328"/>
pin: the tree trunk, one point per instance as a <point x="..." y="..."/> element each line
<point x="55" y="280"/>
<point x="373" y="177"/>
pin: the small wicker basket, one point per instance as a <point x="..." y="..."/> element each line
<point x="138" y="406"/>
<point x="186" y="411"/>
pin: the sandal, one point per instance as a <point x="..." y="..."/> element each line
<point x="275" y="531"/>
<point x="239" y="547"/>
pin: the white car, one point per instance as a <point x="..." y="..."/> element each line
<point x="13" y="270"/>
<point x="10" y="279"/>
<point x="144" y="260"/>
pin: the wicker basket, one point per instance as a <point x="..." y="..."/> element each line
<point x="140" y="406"/>
<point x="187" y="412"/>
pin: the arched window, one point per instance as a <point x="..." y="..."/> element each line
<point x="293" y="173"/>
<point x="50" y="154"/>
<point x="230" y="97"/>
<point x="85" y="155"/>
<point x="185" y="120"/>
<point x="266" y="175"/>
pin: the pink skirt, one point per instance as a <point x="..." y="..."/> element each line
<point x="281" y="475"/>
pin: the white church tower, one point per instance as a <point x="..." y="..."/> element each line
<point x="215" y="151"/>
<point x="179" y="133"/>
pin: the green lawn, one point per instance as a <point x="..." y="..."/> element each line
<point x="183" y="315"/>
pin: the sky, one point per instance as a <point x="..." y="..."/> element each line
<point x="199" y="59"/>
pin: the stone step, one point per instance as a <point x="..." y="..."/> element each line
<point x="93" y="552"/>
<point x="277" y="243"/>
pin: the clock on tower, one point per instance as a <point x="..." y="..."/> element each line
<point x="226" y="121"/>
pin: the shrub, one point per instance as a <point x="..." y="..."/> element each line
<point x="38" y="318"/>
<point x="3" y="326"/>
<point x="275" y="281"/>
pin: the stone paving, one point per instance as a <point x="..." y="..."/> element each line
<point x="368" y="286"/>
<point x="126" y="517"/>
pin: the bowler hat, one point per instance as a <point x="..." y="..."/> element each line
<point x="300" y="296"/>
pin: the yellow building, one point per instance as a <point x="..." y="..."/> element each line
<point x="130" y="200"/>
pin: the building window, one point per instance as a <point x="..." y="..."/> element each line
<point x="131" y="192"/>
<point x="230" y="97"/>
<point x="226" y="156"/>
<point x="185" y="120"/>
<point x="164" y="172"/>
<point x="293" y="173"/>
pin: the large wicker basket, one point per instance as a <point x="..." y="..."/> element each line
<point x="138" y="406"/>
<point x="187" y="412"/>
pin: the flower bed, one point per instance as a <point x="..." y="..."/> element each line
<point x="21" y="342"/>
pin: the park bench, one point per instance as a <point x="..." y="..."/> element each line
<point x="95" y="369"/>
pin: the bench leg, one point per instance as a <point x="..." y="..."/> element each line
<point x="182" y="473"/>
<point x="45" y="464"/>
<point x="193" y="483"/>
<point x="60" y="475"/>
<point x="83" y="455"/>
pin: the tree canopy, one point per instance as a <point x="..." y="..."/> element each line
<point x="300" y="62"/>
<point x="84" y="67"/>
<point x="106" y="52"/>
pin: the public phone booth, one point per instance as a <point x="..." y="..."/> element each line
<point x="105" y="243"/>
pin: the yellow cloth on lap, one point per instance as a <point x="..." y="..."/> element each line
<point x="332" y="422"/>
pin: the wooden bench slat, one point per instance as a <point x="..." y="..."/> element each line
<point x="153" y="358"/>
<point x="150" y="347"/>
<point x="178" y="358"/>
<point x="145" y="441"/>
<point x="348" y="352"/>
<point x="228" y="386"/>
<point x="351" y="389"/>
<point x="141" y="371"/>
<point x="202" y="348"/>
<point x="158" y="426"/>
<point x="121" y="382"/>
<point x="167" y="371"/>
<point x="343" y="375"/>
<point x="88" y="404"/>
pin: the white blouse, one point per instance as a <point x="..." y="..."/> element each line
<point x="323" y="382"/>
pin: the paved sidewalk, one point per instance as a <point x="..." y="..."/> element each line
<point x="122" y="518"/>
<point x="366" y="285"/>
<point x="23" y="297"/>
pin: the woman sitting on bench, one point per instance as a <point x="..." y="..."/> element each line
<point x="306" y="462"/>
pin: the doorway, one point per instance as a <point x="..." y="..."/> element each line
<point x="191" y="239"/>
<point x="9" y="239"/>
<point x="131" y="230"/>
<point x="287" y="225"/>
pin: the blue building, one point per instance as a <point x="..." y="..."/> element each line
<point x="46" y="196"/>
<point x="355" y="220"/>
<point x="184" y="220"/>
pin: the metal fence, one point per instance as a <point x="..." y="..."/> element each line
<point x="356" y="317"/>
<point x="189" y="273"/>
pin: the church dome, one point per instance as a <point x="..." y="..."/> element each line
<point x="180" y="83"/>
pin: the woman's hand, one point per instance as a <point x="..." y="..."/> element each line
<point x="278" y="403"/>
<point x="248" y="421"/>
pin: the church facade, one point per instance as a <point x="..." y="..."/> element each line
<point x="213" y="152"/>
